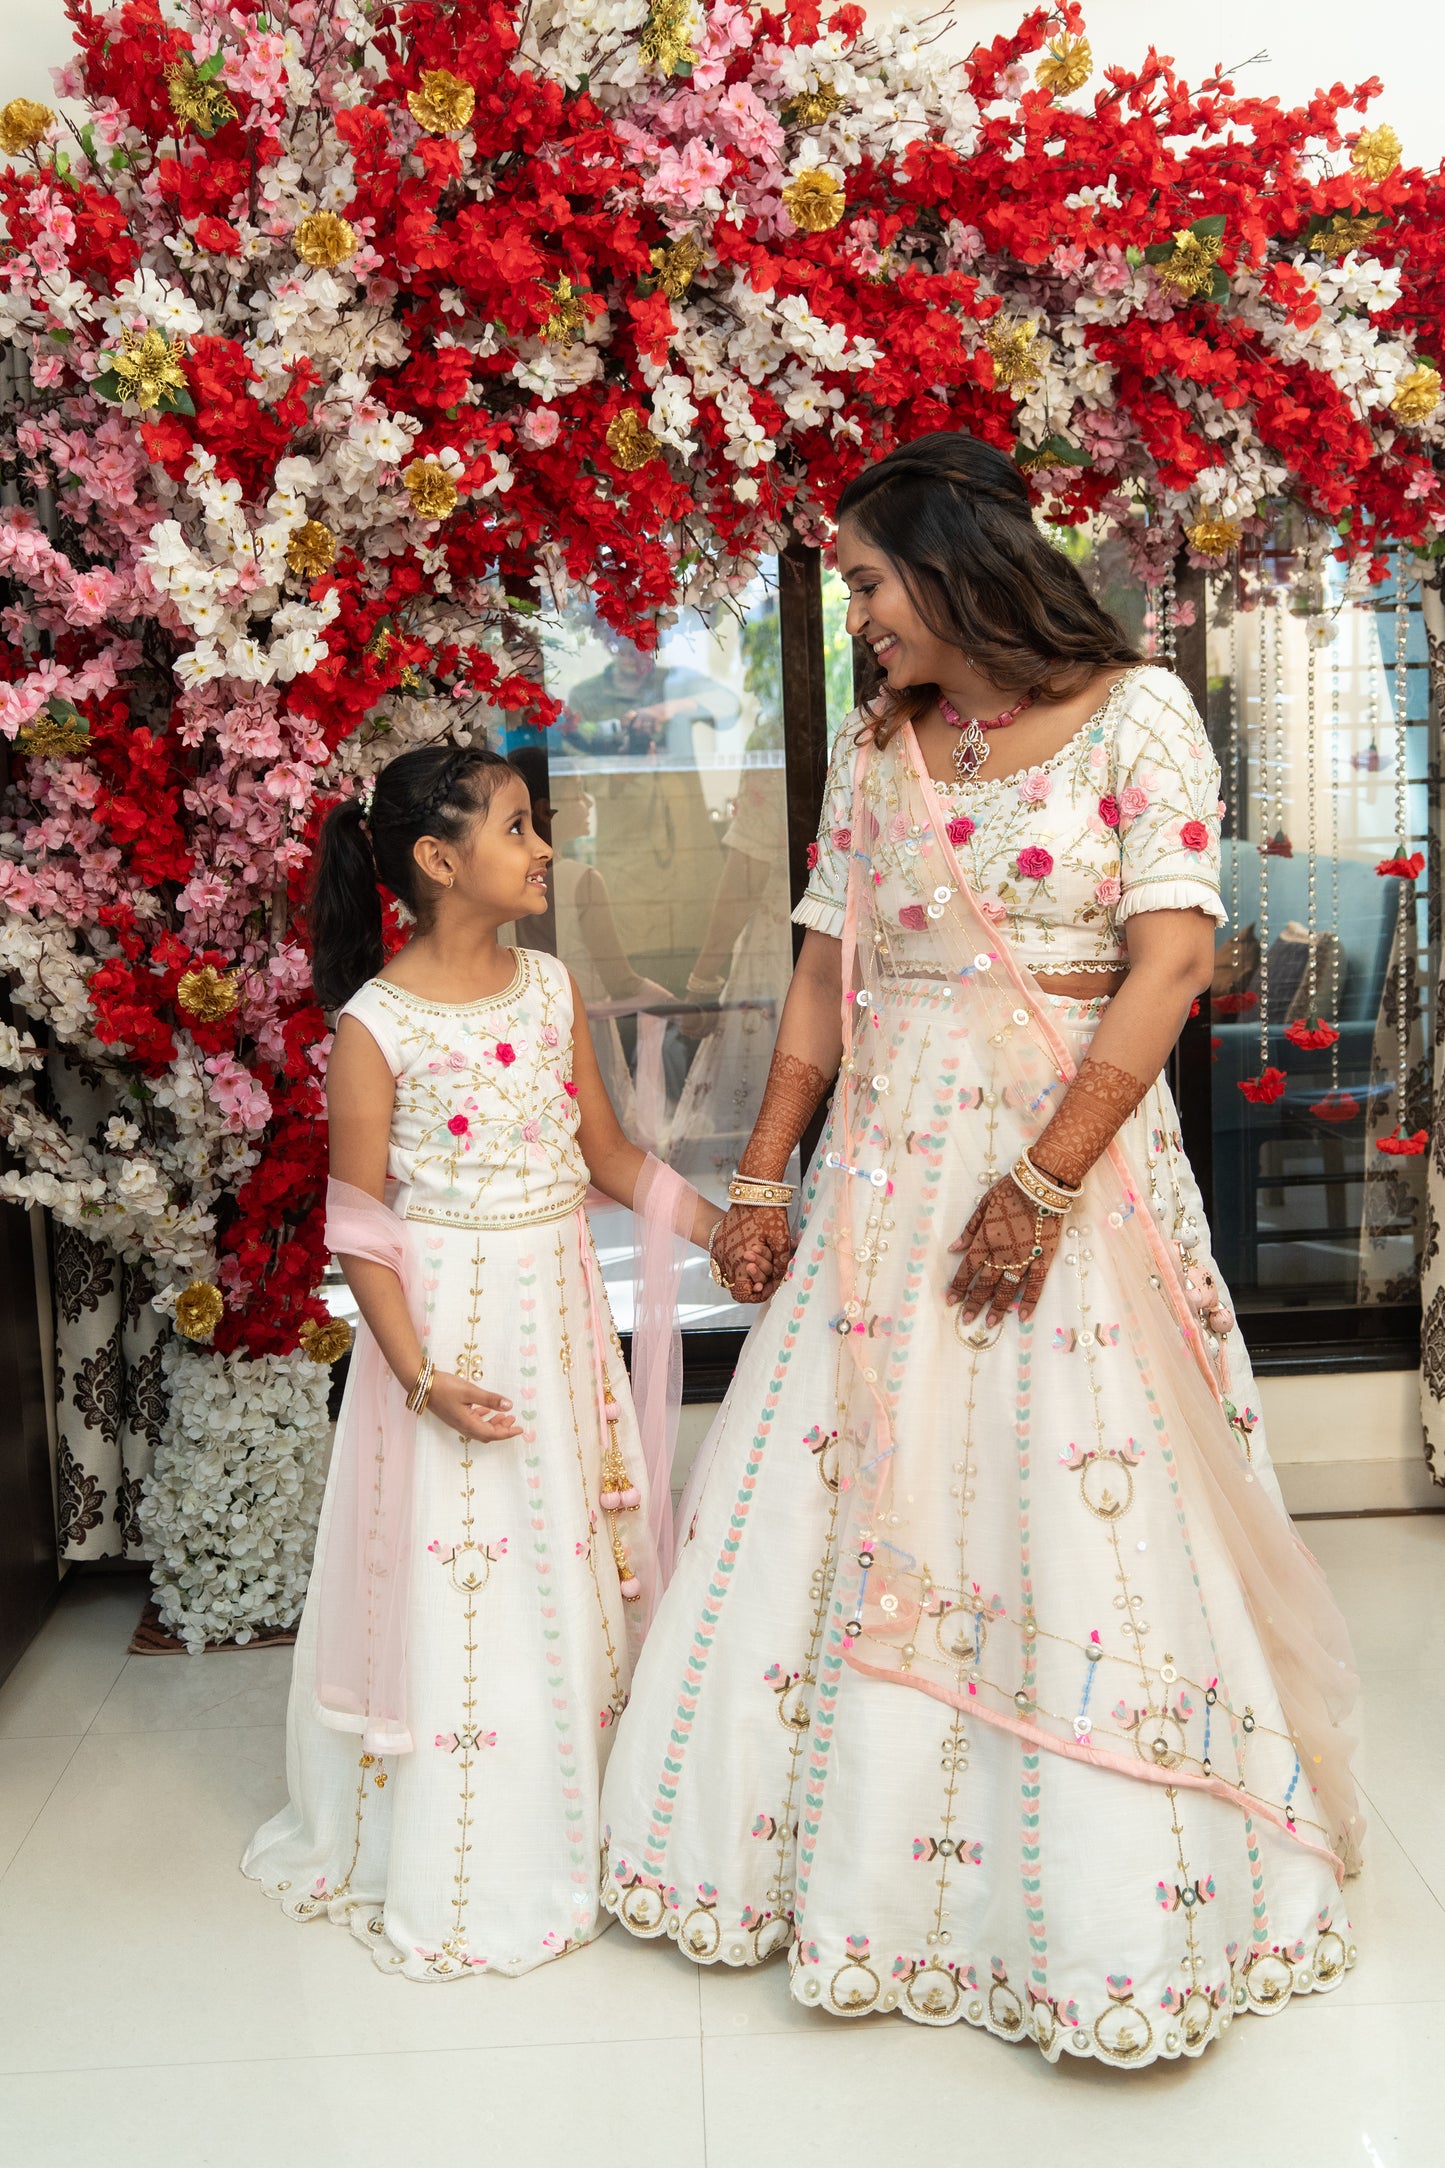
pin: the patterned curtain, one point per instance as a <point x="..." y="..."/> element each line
<point x="1432" y="1261"/>
<point x="109" y="1386"/>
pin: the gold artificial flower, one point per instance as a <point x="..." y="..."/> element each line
<point x="196" y="104"/>
<point x="1190" y="270"/>
<point x="666" y="42"/>
<point x="630" y="441"/>
<point x="149" y="366"/>
<point x="325" y="240"/>
<point x="1016" y="352"/>
<point x="325" y="1343"/>
<point x="23" y="123"/>
<point x="1377" y="153"/>
<point x="199" y="1310"/>
<point x="812" y="107"/>
<point x="1344" y="233"/>
<point x="47" y="739"/>
<point x="569" y="313"/>
<point x="1213" y="537"/>
<point x="442" y="103"/>
<point x="1066" y="66"/>
<point x="431" y="489"/>
<point x="1416" y="396"/>
<point x="311" y="550"/>
<point x="677" y="265"/>
<point x="206" y="993"/>
<point x="814" y="200"/>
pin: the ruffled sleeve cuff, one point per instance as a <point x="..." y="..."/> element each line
<point x="820" y="914"/>
<point x="1170" y="896"/>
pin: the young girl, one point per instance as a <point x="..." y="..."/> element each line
<point x="491" y="1542"/>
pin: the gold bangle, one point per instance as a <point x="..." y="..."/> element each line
<point x="751" y="1189"/>
<point x="420" y="1393"/>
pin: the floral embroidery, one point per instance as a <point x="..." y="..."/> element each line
<point x="1035" y="786"/>
<point x="959" y="829"/>
<point x="1109" y="811"/>
<point x="459" y="1125"/>
<point x="1194" y="836"/>
<point x="1034" y="864"/>
<point x="812" y="856"/>
<point x="914" y="917"/>
<point x="504" y="1053"/>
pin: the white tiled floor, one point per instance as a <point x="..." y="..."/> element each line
<point x="155" y="2012"/>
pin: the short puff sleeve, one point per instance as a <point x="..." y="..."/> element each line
<point x="1166" y="789"/>
<point x="825" y="899"/>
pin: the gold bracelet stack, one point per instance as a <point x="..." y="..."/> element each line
<point x="1042" y="1191"/>
<point x="420" y="1393"/>
<point x="750" y="1189"/>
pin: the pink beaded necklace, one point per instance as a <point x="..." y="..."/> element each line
<point x="971" y="747"/>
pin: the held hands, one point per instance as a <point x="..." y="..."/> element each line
<point x="998" y="1262"/>
<point x="752" y="1247"/>
<point x="466" y="1408"/>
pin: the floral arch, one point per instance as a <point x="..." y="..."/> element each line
<point x="346" y="336"/>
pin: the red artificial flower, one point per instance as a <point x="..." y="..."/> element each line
<point x="1193" y="1010"/>
<point x="1109" y="810"/>
<point x="1278" y="846"/>
<point x="1234" y="1004"/>
<point x="1264" y="1089"/>
<point x="1194" y="836"/>
<point x="1312" y="1034"/>
<point x="1336" y="1106"/>
<point x="217" y="236"/>
<point x="505" y="1054"/>
<point x="1403" y="869"/>
<point x="1034" y="862"/>
<point x="1404" y="1147"/>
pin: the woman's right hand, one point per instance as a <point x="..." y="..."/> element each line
<point x="466" y="1408"/>
<point x="754" y="1247"/>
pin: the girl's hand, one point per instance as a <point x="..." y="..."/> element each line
<point x="466" y="1408"/>
<point x="998" y="1263"/>
<point x="753" y="1246"/>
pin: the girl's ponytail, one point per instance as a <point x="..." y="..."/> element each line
<point x="345" y="914"/>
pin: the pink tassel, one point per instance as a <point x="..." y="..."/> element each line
<point x="628" y="1500"/>
<point x="630" y="1590"/>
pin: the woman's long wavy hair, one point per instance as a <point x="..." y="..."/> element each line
<point x="953" y="516"/>
<point x="434" y="791"/>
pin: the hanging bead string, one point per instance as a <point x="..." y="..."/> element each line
<point x="1311" y="840"/>
<point x="1404" y="908"/>
<point x="1236" y="666"/>
<point x="1265" y="830"/>
<point x="1335" y="854"/>
<point x="1167" y="626"/>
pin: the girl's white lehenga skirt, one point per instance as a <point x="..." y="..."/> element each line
<point x="766" y="1795"/>
<point x="478" y="1851"/>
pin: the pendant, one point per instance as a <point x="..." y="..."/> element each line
<point x="969" y="751"/>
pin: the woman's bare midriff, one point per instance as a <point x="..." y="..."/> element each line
<point x="1081" y="985"/>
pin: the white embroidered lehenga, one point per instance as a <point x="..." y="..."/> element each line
<point x="992" y="1683"/>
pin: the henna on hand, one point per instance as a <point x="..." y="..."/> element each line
<point x="790" y="1097"/>
<point x="1090" y="1115"/>
<point x="1001" y="1237"/>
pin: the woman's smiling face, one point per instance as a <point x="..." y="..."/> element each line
<point x="881" y="611"/>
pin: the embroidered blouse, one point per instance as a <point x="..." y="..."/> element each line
<point x="1121" y="820"/>
<point x="484" y="1128"/>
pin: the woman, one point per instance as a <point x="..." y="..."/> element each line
<point x="993" y="1683"/>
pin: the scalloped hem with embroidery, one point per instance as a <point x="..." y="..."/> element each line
<point x="931" y="1991"/>
<point x="365" y="1918"/>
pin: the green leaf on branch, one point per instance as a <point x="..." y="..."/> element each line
<point x="210" y="69"/>
<point x="1209" y="229"/>
<point x="108" y="386"/>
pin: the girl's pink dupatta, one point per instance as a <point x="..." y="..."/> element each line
<point x="663" y="1205"/>
<point x="361" y="1585"/>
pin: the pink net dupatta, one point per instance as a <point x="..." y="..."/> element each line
<point x="362" y="1581"/>
<point x="664" y="1206"/>
<point x="905" y="874"/>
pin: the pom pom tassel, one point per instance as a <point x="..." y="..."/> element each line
<point x="1262" y="1090"/>
<point x="1404" y="1147"/>
<point x="1336" y="1106"/>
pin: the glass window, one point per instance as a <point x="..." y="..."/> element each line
<point x="666" y="792"/>
<point x="1318" y="982"/>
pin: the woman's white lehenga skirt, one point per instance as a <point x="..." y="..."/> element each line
<point x="765" y="1795"/>
<point x="478" y="1851"/>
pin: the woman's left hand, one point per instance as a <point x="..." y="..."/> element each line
<point x="998" y="1265"/>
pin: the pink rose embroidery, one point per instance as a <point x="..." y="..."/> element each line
<point x="842" y="839"/>
<point x="505" y="1054"/>
<point x="550" y="1035"/>
<point x="1035" y="863"/>
<point x="1034" y="787"/>
<point x="531" y="1132"/>
<point x="1109" y="811"/>
<point x="1194" y="836"/>
<point x="812" y="855"/>
<point x="959" y="829"/>
<point x="1133" y="801"/>
<point x="914" y="917"/>
<point x="994" y="909"/>
<point x="459" y="1125"/>
<point x="898" y="827"/>
<point x="1108" y="891"/>
<point x="456" y="1059"/>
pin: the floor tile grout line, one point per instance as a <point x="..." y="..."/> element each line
<point x="347" y="2055"/>
<point x="1383" y="1818"/>
<point x="30" y="1827"/>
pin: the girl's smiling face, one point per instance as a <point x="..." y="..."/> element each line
<point x="498" y="868"/>
<point x="881" y="611"/>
